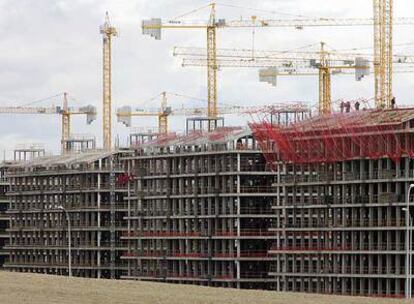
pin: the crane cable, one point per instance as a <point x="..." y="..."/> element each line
<point x="40" y="100"/>
<point x="263" y="10"/>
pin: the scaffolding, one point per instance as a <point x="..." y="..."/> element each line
<point x="4" y="219"/>
<point x="85" y="185"/>
<point x="370" y="134"/>
<point x="342" y="180"/>
<point x="200" y="211"/>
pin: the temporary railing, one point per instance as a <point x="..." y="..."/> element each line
<point x="172" y="254"/>
<point x="64" y="188"/>
<point x="52" y="171"/>
<point x="55" y="226"/>
<point x="69" y="207"/>
<point x="246" y="232"/>
<point x="157" y="191"/>
<point x="202" y="170"/>
<point x="171" y="275"/>
<point x="217" y="233"/>
<point x="64" y="264"/>
<point x="160" y="234"/>
<point x="313" y="177"/>
<point x="338" y="270"/>
<point x="383" y="198"/>
<point x="329" y="223"/>
<point x="64" y="245"/>
<point x="356" y="246"/>
<point x="200" y="212"/>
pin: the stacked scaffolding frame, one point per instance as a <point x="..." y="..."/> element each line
<point x="340" y="218"/>
<point x="90" y="187"/>
<point x="199" y="211"/>
<point x="4" y="218"/>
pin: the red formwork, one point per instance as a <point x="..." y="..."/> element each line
<point x="370" y="134"/>
<point x="261" y="133"/>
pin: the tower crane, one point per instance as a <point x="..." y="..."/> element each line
<point x="154" y="26"/>
<point x="281" y="63"/>
<point x="249" y="54"/>
<point x="125" y="113"/>
<point x="107" y="31"/>
<point x="66" y="112"/>
<point x="287" y="64"/>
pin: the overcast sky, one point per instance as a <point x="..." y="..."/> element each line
<point x="52" y="46"/>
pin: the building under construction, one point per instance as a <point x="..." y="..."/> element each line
<point x="46" y="193"/>
<point x="312" y="206"/>
<point x="340" y="218"/>
<point x="200" y="211"/>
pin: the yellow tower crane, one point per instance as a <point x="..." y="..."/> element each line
<point x="125" y="113"/>
<point x="163" y="116"/>
<point x="282" y="63"/>
<point x="153" y="28"/>
<point x="326" y="69"/>
<point x="107" y="31"/>
<point x="324" y="83"/>
<point x="66" y="112"/>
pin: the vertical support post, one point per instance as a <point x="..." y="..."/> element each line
<point x="238" y="242"/>
<point x="410" y="259"/>
<point x="408" y="245"/>
<point x="99" y="217"/>
<point x="69" y="239"/>
<point x="69" y="243"/>
<point x="112" y="202"/>
<point x="131" y="165"/>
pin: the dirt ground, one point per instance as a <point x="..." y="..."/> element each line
<point x="18" y="288"/>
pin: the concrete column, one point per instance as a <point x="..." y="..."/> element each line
<point x="99" y="233"/>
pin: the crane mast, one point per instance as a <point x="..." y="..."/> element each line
<point x="383" y="52"/>
<point x="324" y="82"/>
<point x="163" y="115"/>
<point x="65" y="122"/>
<point x="212" y="66"/>
<point x="108" y="31"/>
